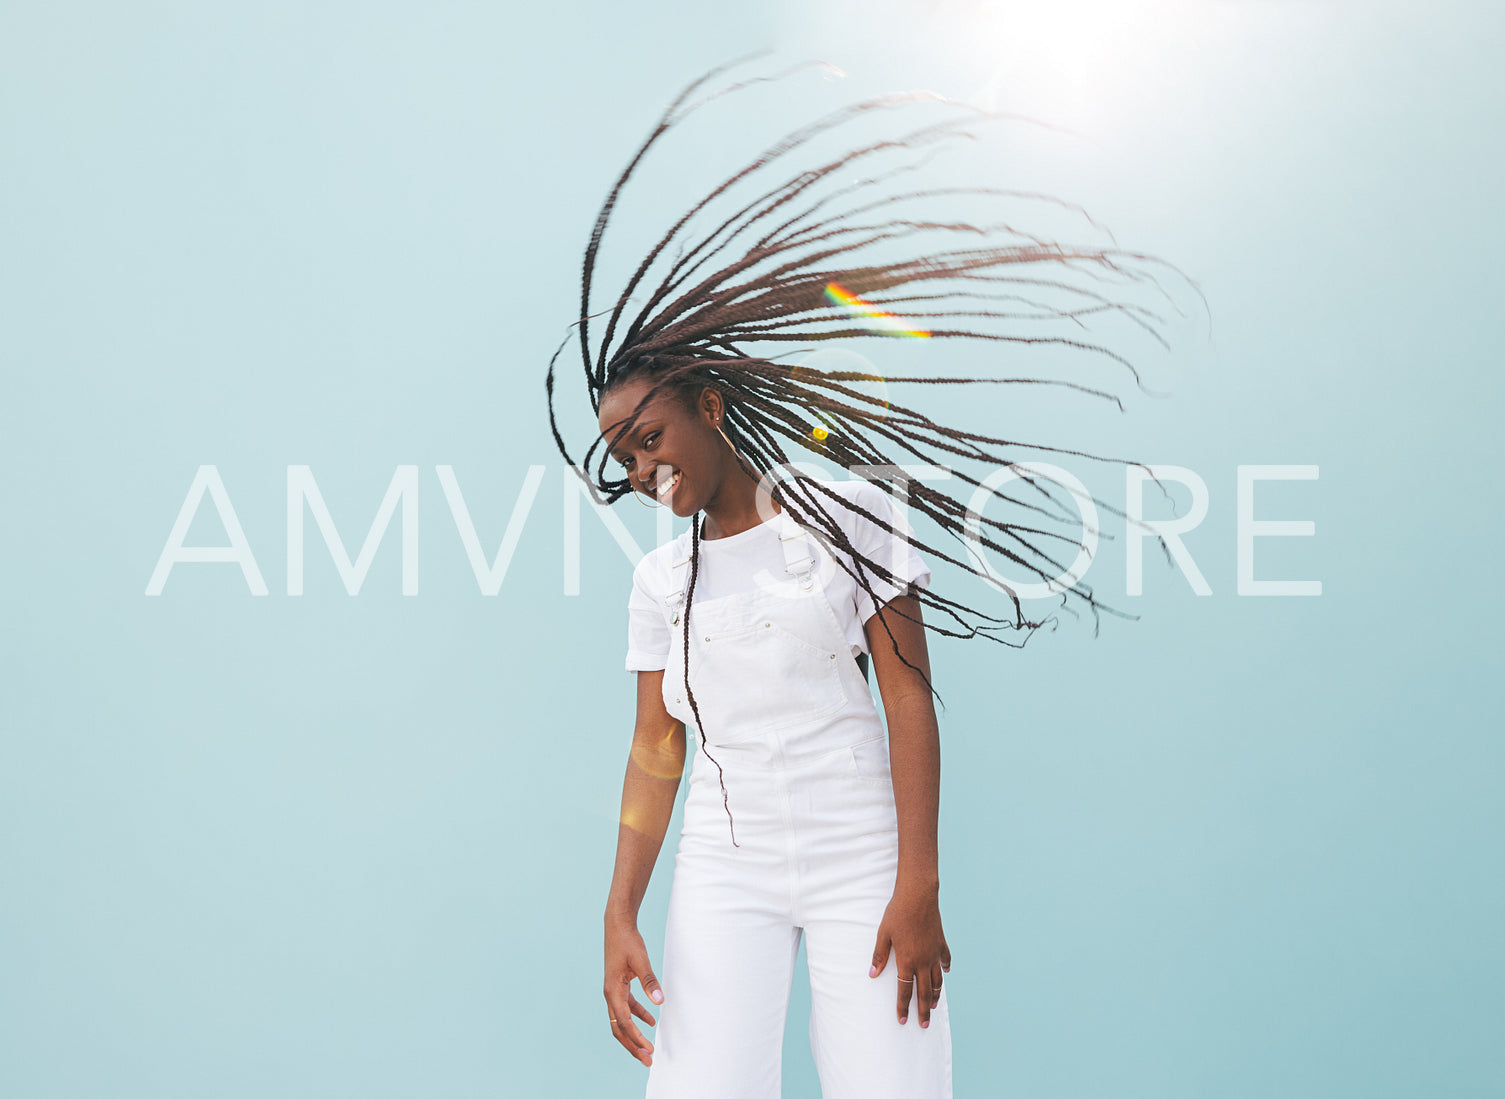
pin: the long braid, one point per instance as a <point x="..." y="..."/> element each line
<point x="689" y="693"/>
<point x="812" y="253"/>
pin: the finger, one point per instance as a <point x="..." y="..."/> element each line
<point x="622" y="1006"/>
<point x="924" y="995"/>
<point x="936" y="980"/>
<point x="646" y="978"/>
<point x="881" y="951"/>
<point x="632" y="1041"/>
<point x="905" y="992"/>
<point x="945" y="956"/>
<point x="621" y="1003"/>
<point x="639" y="1010"/>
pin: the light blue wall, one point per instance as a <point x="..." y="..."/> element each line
<point x="331" y="846"/>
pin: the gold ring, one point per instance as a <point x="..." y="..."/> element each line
<point x="909" y="979"/>
<point x="614" y="1021"/>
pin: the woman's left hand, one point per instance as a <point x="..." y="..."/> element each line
<point x="911" y="927"/>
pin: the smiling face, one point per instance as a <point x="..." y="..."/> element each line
<point x="673" y="454"/>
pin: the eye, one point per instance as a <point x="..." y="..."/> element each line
<point x="651" y="439"/>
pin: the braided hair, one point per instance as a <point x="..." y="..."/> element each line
<point x="831" y="251"/>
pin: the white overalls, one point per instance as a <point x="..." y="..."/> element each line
<point x="790" y="718"/>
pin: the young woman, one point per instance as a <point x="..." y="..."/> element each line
<point x="819" y="842"/>
<point x="802" y="819"/>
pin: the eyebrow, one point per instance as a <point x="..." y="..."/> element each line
<point x="634" y="433"/>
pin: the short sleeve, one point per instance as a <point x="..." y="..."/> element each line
<point x="895" y="552"/>
<point x="647" y="628"/>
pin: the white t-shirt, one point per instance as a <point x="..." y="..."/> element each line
<point x="728" y="566"/>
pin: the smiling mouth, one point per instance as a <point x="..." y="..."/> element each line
<point x="668" y="486"/>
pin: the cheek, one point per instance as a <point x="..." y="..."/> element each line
<point x="704" y="458"/>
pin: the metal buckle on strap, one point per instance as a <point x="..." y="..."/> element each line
<point x="676" y="597"/>
<point x="672" y="603"/>
<point x="802" y="569"/>
<point x="796" y="566"/>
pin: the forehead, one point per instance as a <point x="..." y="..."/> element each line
<point x="619" y="404"/>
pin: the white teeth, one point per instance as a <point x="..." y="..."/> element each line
<point x="668" y="486"/>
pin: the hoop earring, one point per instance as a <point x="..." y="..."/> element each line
<point x="729" y="443"/>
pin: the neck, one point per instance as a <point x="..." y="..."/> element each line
<point x="734" y="508"/>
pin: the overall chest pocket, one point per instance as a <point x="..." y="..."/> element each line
<point x="757" y="676"/>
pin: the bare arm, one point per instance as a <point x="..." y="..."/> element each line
<point x="914" y="742"/>
<point x="912" y="924"/>
<point x="654" y="767"/>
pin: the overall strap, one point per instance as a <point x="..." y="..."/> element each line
<point x="679" y="575"/>
<point x="798" y="546"/>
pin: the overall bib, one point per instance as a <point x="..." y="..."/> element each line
<point x="789" y="716"/>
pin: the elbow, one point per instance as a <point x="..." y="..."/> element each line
<point x="659" y="751"/>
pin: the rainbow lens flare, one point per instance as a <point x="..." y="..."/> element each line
<point x="871" y="316"/>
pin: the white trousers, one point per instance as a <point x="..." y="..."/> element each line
<point x="736" y="916"/>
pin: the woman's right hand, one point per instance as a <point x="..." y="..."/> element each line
<point x="626" y="958"/>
